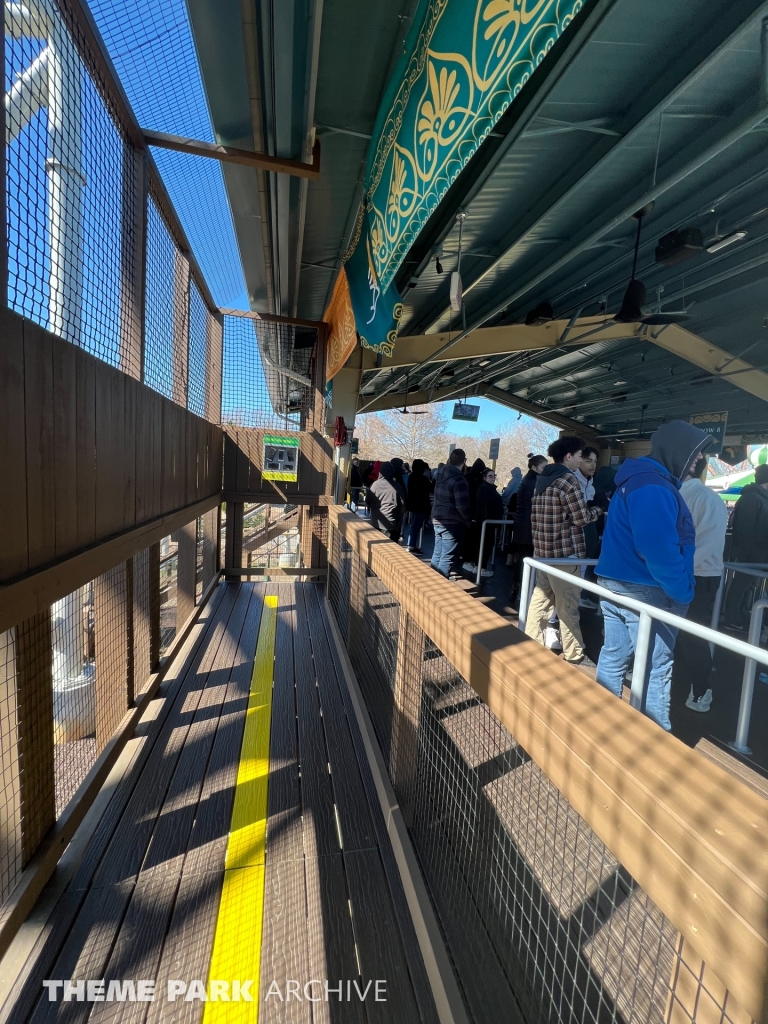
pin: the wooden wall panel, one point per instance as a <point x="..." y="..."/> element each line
<point x="86" y="452"/>
<point x="110" y="397"/>
<point x="13" y="469"/>
<point x="131" y="391"/>
<point x="243" y="457"/>
<point x="86" y="449"/>
<point x="65" y="445"/>
<point x="40" y="452"/>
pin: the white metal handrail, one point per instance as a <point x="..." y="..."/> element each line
<point x="751" y="652"/>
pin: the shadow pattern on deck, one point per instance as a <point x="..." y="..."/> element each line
<point x="144" y="898"/>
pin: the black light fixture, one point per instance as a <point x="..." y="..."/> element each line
<point x="438" y="265"/>
<point x="542" y="314"/>
<point x="631" y="311"/>
<point x="405" y="411"/>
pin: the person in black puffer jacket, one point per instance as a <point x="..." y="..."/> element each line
<point x="385" y="502"/>
<point x="522" y="534"/>
<point x="418" y="503"/>
<point x="488" y="505"/>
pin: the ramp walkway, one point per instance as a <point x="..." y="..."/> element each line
<point x="243" y="842"/>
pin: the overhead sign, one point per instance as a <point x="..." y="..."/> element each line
<point x="466" y="412"/>
<point x="714" y="423"/>
<point x="493" y="451"/>
<point x="281" y="458"/>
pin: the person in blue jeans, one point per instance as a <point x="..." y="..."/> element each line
<point x="450" y="515"/>
<point x="647" y="554"/>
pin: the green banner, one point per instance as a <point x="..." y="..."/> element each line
<point x="465" y="62"/>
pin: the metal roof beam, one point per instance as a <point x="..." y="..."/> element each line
<point x="696" y="350"/>
<point x="670" y="86"/>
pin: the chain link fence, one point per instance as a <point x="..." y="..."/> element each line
<point x="266" y="374"/>
<point x="69" y="675"/>
<point x="542" y="922"/>
<point x="79" y="207"/>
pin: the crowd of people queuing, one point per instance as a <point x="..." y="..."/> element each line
<point x="657" y="532"/>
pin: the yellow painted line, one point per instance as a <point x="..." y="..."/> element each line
<point x="236" y="952"/>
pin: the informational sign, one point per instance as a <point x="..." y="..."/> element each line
<point x="451" y="448"/>
<point x="493" y="451"/>
<point x="354" y="446"/>
<point x="281" y="458"/>
<point x="466" y="412"/>
<point x="714" y="423"/>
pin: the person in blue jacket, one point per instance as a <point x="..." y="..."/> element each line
<point x="647" y="555"/>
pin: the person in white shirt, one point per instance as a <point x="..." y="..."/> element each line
<point x="693" y="660"/>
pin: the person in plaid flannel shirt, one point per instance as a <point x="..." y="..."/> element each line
<point x="558" y="517"/>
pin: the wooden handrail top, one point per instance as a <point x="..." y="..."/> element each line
<point x="694" y="837"/>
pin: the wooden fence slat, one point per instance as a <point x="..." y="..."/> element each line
<point x="13" y="468"/>
<point x="693" y="837"/>
<point x="130" y="402"/>
<point x="35" y="729"/>
<point x="86" y="448"/>
<point x="186" y="577"/>
<point x="65" y="366"/>
<point x="40" y="444"/>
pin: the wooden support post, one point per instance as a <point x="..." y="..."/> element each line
<point x="154" y="606"/>
<point x="34" y="688"/>
<point x="187" y="572"/>
<point x="409" y="672"/>
<point x="143" y="597"/>
<point x="210" y="546"/>
<point x="133" y="261"/>
<point x="214" y="351"/>
<point x="305" y="535"/>
<point x="180" y="327"/>
<point x="11" y="833"/>
<point x="111" y="641"/>
<point x="233" y="555"/>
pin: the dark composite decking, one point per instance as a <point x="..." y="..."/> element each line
<point x="143" y="902"/>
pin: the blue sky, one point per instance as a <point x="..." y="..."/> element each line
<point x="151" y="45"/>
<point x="492" y="417"/>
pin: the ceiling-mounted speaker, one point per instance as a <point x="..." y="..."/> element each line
<point x="678" y="246"/>
<point x="456" y="292"/>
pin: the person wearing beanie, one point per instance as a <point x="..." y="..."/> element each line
<point x="647" y="554"/>
<point x="749" y="526"/>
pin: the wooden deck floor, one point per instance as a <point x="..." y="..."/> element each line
<point x="144" y="900"/>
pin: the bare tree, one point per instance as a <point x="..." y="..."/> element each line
<point x="392" y="434"/>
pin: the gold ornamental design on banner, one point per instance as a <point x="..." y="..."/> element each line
<point x="342" y="338"/>
<point x="466" y="61"/>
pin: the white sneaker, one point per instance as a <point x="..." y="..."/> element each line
<point x="486" y="572"/>
<point x="469" y="567"/>
<point x="587" y="602"/>
<point x="701" y="704"/>
<point x="552" y="639"/>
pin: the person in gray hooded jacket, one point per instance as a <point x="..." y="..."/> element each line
<point x="386" y="502"/>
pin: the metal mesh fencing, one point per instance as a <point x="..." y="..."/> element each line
<point x="11" y="838"/>
<point x="169" y="573"/>
<point x="266" y="374"/>
<point x="73" y="638"/>
<point x="69" y="175"/>
<point x="271" y="537"/>
<point x="542" y="922"/>
<point x="166" y="315"/>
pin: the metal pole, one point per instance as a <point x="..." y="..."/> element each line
<point x="748" y="683"/>
<point x="525" y="588"/>
<point x="642" y="651"/>
<point x="480" y="554"/>
<point x="716" y="609"/>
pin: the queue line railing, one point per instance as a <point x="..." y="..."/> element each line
<point x="574" y="851"/>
